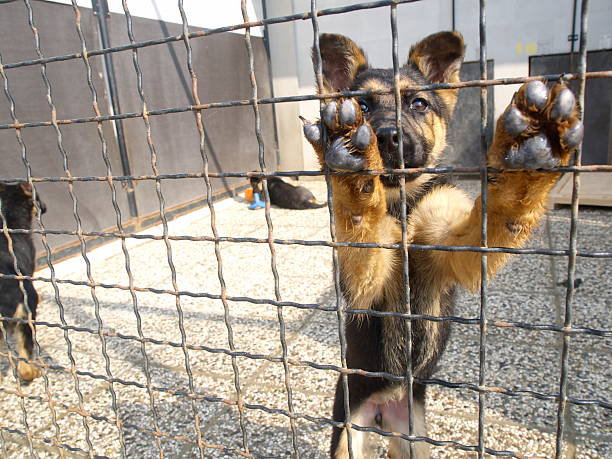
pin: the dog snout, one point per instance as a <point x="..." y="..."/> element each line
<point x="387" y="138"/>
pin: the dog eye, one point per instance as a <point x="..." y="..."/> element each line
<point x="419" y="105"/>
<point x="364" y="106"/>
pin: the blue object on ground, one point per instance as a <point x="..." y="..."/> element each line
<point x="257" y="202"/>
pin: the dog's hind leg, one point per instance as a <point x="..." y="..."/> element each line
<point x="25" y="343"/>
<point x="363" y="416"/>
<point x="3" y="332"/>
<point x="395" y="419"/>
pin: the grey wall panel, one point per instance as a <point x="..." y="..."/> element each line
<point x="72" y="98"/>
<point x="464" y="134"/>
<point x="221" y="63"/>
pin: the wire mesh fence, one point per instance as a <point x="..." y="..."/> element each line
<point x="218" y="410"/>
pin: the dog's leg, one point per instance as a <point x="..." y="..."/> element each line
<point x="369" y="275"/>
<point x="363" y="416"/>
<point x="395" y="419"/>
<point x="360" y="205"/>
<point x="4" y="331"/>
<point x="25" y="343"/>
<point x="365" y="409"/>
<point x="540" y="129"/>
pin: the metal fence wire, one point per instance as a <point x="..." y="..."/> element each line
<point x="60" y="442"/>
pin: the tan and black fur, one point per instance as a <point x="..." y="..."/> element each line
<point x="538" y="130"/>
<point x="17" y="207"/>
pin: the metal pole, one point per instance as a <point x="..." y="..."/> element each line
<point x="573" y="38"/>
<point x="100" y="8"/>
<point x="264" y="7"/>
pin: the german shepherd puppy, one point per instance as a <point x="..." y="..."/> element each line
<point x="17" y="208"/>
<point x="285" y="195"/>
<point x="539" y="129"/>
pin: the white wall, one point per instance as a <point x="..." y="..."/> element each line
<point x="200" y="13"/>
<point x="516" y="29"/>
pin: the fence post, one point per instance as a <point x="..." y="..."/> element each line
<point x="100" y="9"/>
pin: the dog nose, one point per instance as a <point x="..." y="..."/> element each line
<point x="387" y="138"/>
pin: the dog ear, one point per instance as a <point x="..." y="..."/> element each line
<point x="439" y="56"/>
<point x="342" y="61"/>
<point x="26" y="188"/>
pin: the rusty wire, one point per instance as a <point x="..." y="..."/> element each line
<point x="340" y="309"/>
<point x="573" y="241"/>
<point x="404" y="224"/>
<point x="75" y="212"/>
<point x="269" y="225"/>
<point x="275" y="100"/>
<point x="304" y="173"/>
<point x="482" y="335"/>
<point x="23" y="151"/>
<point x="205" y="163"/>
<point x="193" y="395"/>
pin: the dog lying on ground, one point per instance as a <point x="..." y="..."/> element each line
<point x="17" y="208"/>
<point x="539" y="129"/>
<point x="285" y="195"/>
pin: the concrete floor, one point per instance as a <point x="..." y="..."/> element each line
<point x="530" y="290"/>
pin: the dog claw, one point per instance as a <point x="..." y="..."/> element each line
<point x="339" y="158"/>
<point x="573" y="136"/>
<point x="329" y="115"/>
<point x="515" y="122"/>
<point x="348" y="115"/>
<point x="361" y="138"/>
<point x="533" y="153"/>
<point x="564" y="105"/>
<point x="536" y="94"/>
<point x="312" y="132"/>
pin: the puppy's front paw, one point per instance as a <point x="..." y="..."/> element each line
<point x="27" y="371"/>
<point x="540" y="128"/>
<point x="351" y="144"/>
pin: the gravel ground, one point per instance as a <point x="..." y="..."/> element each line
<point x="159" y="402"/>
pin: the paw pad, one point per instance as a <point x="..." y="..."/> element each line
<point x="515" y="122"/>
<point x="348" y="135"/>
<point x="573" y="136"/>
<point x="312" y="132"/>
<point x="564" y="105"/>
<point x="536" y="95"/>
<point x="362" y="137"/>
<point x="533" y="153"/>
<point x="339" y="157"/>
<point x="542" y="127"/>
<point x="348" y="114"/>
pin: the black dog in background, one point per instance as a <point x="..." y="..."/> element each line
<point x="285" y="195"/>
<point x="17" y="206"/>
